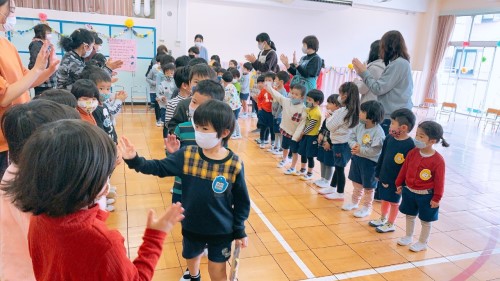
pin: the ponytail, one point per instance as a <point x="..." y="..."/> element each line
<point x="76" y="39"/>
<point x="433" y="131"/>
<point x="444" y="143"/>
<point x="272" y="45"/>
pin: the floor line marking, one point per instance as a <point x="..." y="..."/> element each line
<point x="282" y="241"/>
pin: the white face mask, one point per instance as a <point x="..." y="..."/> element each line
<point x="191" y="112"/>
<point x="260" y="46"/>
<point x="88" y="105"/>
<point x="206" y="140"/>
<point x="339" y="99"/>
<point x="270" y="84"/>
<point x="304" y="50"/>
<point x="87" y="53"/>
<point x="48" y="36"/>
<point x="198" y="44"/>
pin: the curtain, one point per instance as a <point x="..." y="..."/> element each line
<point x="105" y="7"/>
<point x="445" y="29"/>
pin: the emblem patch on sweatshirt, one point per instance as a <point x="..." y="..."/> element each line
<point x="220" y="184"/>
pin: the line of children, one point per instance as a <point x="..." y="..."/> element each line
<point x="279" y="81"/>
<point x="366" y="142"/>
<point x="325" y="154"/>
<point x="245" y="87"/>
<point x="214" y="196"/>
<point x="232" y="98"/>
<point x="265" y="115"/>
<point x="165" y="87"/>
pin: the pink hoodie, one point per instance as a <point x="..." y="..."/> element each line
<point x="15" y="260"/>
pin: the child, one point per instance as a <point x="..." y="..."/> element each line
<point x="366" y="145"/>
<point x="340" y="125"/>
<point x="325" y="155"/>
<point x="151" y="80"/>
<point x="87" y="95"/>
<point x="245" y="87"/>
<point x="59" y="96"/>
<point x="423" y="175"/>
<point x="214" y="193"/>
<point x="66" y="219"/>
<point x="396" y="147"/>
<point x="165" y="88"/>
<point x="232" y="98"/>
<point x="220" y="71"/>
<point x="265" y="103"/>
<point x="181" y="79"/>
<point x="255" y="91"/>
<point x="236" y="80"/>
<point x="308" y="146"/>
<point x="279" y="82"/>
<point x="20" y="122"/>
<point x="233" y="64"/>
<point x="292" y="123"/>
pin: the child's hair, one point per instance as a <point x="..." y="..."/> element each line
<point x="98" y="59"/>
<point x="164" y="59"/>
<point x="181" y="75"/>
<point x="210" y="88"/>
<point x="311" y="42"/>
<point x="196" y="61"/>
<point x="248" y="66"/>
<point x="216" y="64"/>
<point x="351" y="103"/>
<point x="434" y="131"/>
<point x="269" y="74"/>
<point x="316" y="95"/>
<point x="98" y="40"/>
<point x="41" y="30"/>
<point x="95" y="74"/>
<point x="236" y="73"/>
<point x="218" y="114"/>
<point x="374" y="51"/>
<point x="182" y="61"/>
<point x="261" y="79"/>
<point x="85" y="88"/>
<point x="198" y="36"/>
<point x="227" y="77"/>
<point x="76" y="39"/>
<point x="158" y="57"/>
<point x="168" y="66"/>
<point x="404" y="116"/>
<point x="194" y="49"/>
<point x="67" y="174"/>
<point x="374" y="111"/>
<point x="215" y="58"/>
<point x="59" y="96"/>
<point x="334" y="99"/>
<point x="202" y="70"/>
<point x="20" y="121"/>
<point x="221" y="70"/>
<point x="283" y="76"/>
<point x="234" y="62"/>
<point x="301" y="88"/>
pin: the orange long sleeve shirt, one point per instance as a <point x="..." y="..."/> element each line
<point x="265" y="101"/>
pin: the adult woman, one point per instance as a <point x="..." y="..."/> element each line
<point x="43" y="32"/>
<point x="376" y="67"/>
<point x="78" y="46"/>
<point x="160" y="50"/>
<point x="97" y="46"/>
<point x="267" y="59"/>
<point x="198" y="42"/>
<point x="15" y="80"/>
<point x="306" y="71"/>
<point x="395" y="87"/>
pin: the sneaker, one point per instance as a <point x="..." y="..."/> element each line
<point x="316" y="182"/>
<point x="111" y="194"/>
<point x="388" y="227"/>
<point x="277" y="152"/>
<point x="186" y="276"/>
<point x="266" y="142"/>
<point x="378" y="222"/>
<point x="270" y="149"/>
<point x="254" y="115"/>
<point x="335" y="196"/>
<point x="363" y="212"/>
<point x="349" y="206"/>
<point x="110" y="201"/>
<point x="243" y="116"/>
<point x="419" y="246"/>
<point x="290" y="171"/>
<point x="405" y="241"/>
<point x="300" y="173"/>
<point x="236" y="137"/>
<point x="262" y="145"/>
<point x="324" y="184"/>
<point x="258" y="141"/>
<point x="327" y="190"/>
<point x="307" y="177"/>
<point x="112" y="188"/>
<point x="158" y="124"/>
<point x="282" y="163"/>
<point x="110" y="208"/>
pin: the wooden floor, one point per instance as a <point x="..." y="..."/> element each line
<point x="296" y="234"/>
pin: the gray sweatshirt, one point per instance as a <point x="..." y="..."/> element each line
<point x="376" y="68"/>
<point x="370" y="141"/>
<point x="394" y="88"/>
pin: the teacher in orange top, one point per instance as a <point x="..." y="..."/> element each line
<point x="15" y="79"/>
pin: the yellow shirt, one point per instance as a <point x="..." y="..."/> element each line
<point x="11" y="71"/>
<point x="314" y="114"/>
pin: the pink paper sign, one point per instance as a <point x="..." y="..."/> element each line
<point x="124" y="50"/>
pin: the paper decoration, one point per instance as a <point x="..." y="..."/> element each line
<point x="350" y="66"/>
<point x="129" y="23"/>
<point x="463" y="70"/>
<point x="465" y="44"/>
<point x="498" y="43"/>
<point x="483" y="59"/>
<point x="124" y="50"/>
<point x="43" y="17"/>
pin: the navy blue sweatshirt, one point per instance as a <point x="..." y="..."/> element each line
<point x="214" y="192"/>
<point x="308" y="66"/>
<point x="392" y="158"/>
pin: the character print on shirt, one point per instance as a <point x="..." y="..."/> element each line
<point x="219" y="185"/>
<point x="366" y="140"/>
<point x="399" y="158"/>
<point x="425" y="174"/>
<point x="226" y="252"/>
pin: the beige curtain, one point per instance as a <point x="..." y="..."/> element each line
<point x="105" y="7"/>
<point x="445" y="29"/>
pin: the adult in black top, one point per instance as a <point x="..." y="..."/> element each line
<point x="267" y="59"/>
<point x="43" y="32"/>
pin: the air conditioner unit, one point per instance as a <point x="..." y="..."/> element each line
<point x="334" y="2"/>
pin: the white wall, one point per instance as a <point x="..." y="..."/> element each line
<point x="344" y="33"/>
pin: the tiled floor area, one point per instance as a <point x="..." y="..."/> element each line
<point x="321" y="240"/>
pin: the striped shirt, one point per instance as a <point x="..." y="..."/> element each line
<point x="185" y="133"/>
<point x="339" y="129"/>
<point x="171" y="106"/>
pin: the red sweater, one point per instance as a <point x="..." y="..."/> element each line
<point x="265" y="101"/>
<point x="422" y="173"/>
<point x="81" y="247"/>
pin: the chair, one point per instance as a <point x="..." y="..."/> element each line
<point x="428" y="104"/>
<point x="492" y="116"/>
<point x="448" y="108"/>
<point x="139" y="94"/>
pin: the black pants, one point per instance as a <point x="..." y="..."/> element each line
<point x="39" y="90"/>
<point x="308" y="160"/>
<point x="254" y="106"/>
<point x="385" y="126"/>
<point x="267" y="125"/>
<point x="338" y="179"/>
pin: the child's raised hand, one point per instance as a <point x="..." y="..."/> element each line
<point x="166" y="222"/>
<point x="399" y="189"/>
<point x="434" y="204"/>
<point x="121" y="95"/>
<point x="294" y="59"/>
<point x="172" y="144"/>
<point x="284" y="60"/>
<point x="243" y="242"/>
<point x="126" y="148"/>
